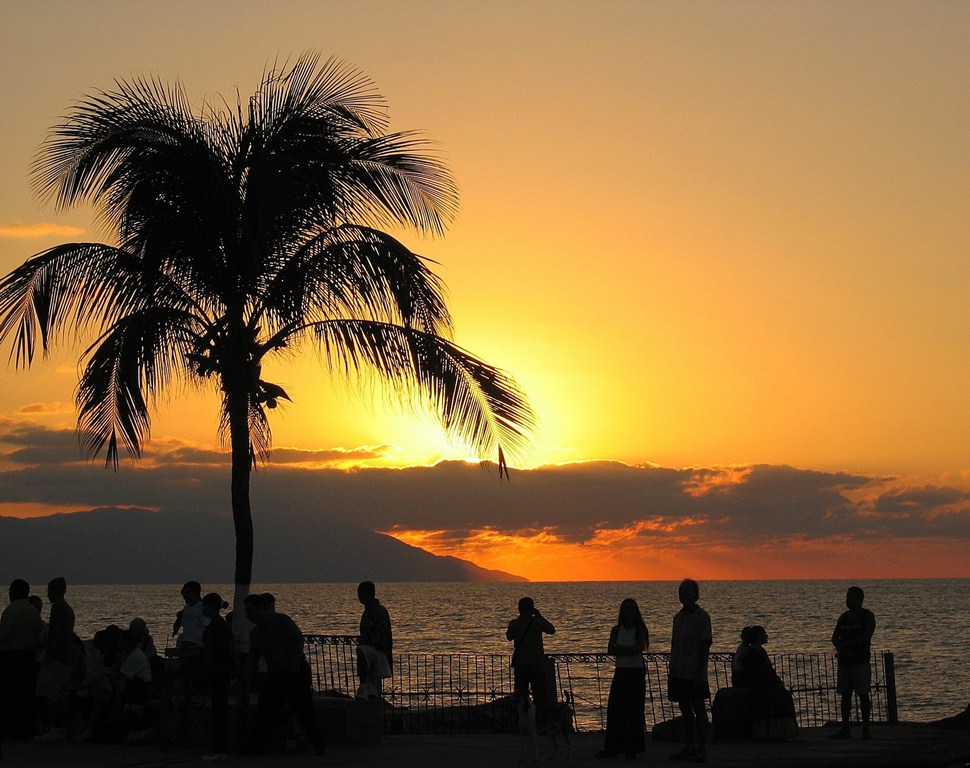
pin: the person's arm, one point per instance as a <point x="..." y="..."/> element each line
<point x="870" y="626"/>
<point x="177" y="624"/>
<point x="639" y="643"/>
<point x="544" y="624"/>
<point x="6" y="625"/>
<point x="702" y="656"/>
<point x="510" y="632"/>
<point x="293" y="638"/>
<point x="251" y="664"/>
<point x="704" y="651"/>
<point x="611" y="647"/>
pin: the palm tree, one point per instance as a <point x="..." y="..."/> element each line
<point x="243" y="234"/>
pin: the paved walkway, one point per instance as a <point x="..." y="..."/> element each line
<point x="898" y="746"/>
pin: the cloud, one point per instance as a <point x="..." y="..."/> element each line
<point x="46" y="409"/>
<point x="330" y="457"/>
<point x="20" y="231"/>
<point x="623" y="518"/>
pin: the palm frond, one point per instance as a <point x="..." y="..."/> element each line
<point x="478" y="404"/>
<point x="77" y="285"/>
<point x="103" y="136"/>
<point x="358" y="272"/>
<point x="400" y="180"/>
<point x="156" y="172"/>
<point x="336" y="93"/>
<point x="136" y="359"/>
<point x="316" y="155"/>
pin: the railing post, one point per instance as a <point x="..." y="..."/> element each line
<point x="889" y="669"/>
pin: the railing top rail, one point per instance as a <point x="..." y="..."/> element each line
<point x="716" y="656"/>
<point x="330" y="639"/>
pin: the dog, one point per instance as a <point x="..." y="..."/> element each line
<point x="559" y="724"/>
<point x="525" y="710"/>
<point x="557" y="720"/>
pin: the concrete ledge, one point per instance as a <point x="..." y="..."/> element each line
<point x="894" y="746"/>
<point x="350" y="721"/>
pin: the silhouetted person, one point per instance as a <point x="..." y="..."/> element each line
<point x="772" y="707"/>
<point x="59" y="658"/>
<point x="145" y="641"/>
<point x="690" y="646"/>
<point x="20" y="635"/>
<point x="375" y="645"/>
<point x="102" y="681"/>
<point x="737" y="661"/>
<point x="217" y="653"/>
<point x="277" y="640"/>
<point x="629" y="638"/>
<point x="529" y="656"/>
<point x="190" y="620"/>
<point x="852" y="639"/>
<point x="38" y="602"/>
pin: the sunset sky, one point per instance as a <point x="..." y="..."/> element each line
<point x="724" y="247"/>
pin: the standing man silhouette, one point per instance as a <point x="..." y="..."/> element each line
<point x="852" y="639"/>
<point x="278" y="640"/>
<point x="54" y="675"/>
<point x="20" y="635"/>
<point x="690" y="647"/>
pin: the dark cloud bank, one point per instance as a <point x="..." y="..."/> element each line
<point x="311" y="522"/>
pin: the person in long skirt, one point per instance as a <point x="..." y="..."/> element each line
<point x="624" y="709"/>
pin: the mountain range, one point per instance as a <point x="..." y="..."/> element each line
<point x="139" y="546"/>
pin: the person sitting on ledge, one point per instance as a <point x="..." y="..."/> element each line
<point x="375" y="643"/>
<point x="772" y="707"/>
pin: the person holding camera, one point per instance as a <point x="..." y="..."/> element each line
<point x="529" y="657"/>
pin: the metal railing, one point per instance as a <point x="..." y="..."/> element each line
<point x="810" y="678"/>
<point x="462" y="693"/>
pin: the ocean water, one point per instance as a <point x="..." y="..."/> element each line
<point x="925" y="623"/>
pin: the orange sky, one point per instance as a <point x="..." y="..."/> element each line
<point x="698" y="234"/>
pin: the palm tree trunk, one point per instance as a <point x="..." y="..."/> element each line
<point x="242" y="516"/>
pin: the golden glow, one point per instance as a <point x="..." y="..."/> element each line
<point x="612" y="557"/>
<point x="698" y="235"/>
<point x="26" y="510"/>
<point x="757" y="259"/>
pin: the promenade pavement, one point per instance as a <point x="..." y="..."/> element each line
<point x="893" y="746"/>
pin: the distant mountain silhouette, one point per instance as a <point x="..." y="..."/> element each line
<point x="139" y="546"/>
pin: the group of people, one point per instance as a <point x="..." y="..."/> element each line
<point x="45" y="668"/>
<point x="52" y="683"/>
<point x="51" y="680"/>
<point x="272" y="662"/>
<point x="772" y="711"/>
